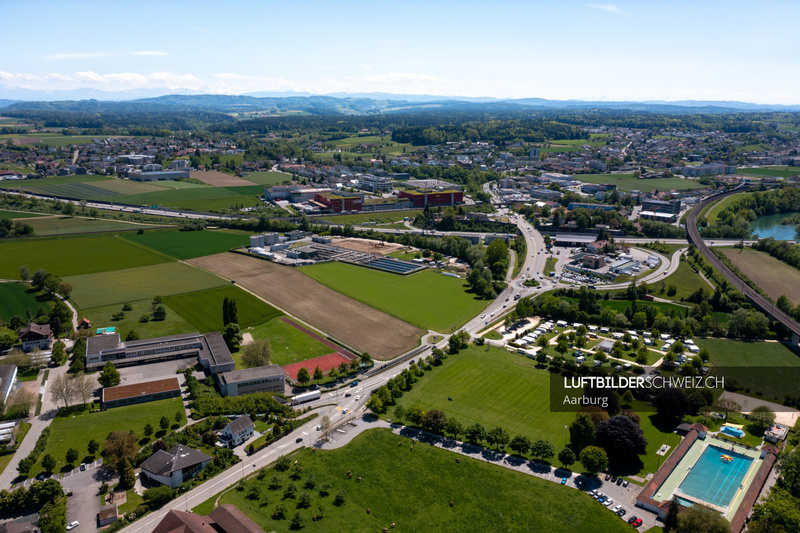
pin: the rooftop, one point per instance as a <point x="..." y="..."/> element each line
<point x="111" y="394"/>
<point x="249" y="374"/>
<point x="163" y="463"/>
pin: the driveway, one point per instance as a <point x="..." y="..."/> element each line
<point x="83" y="506"/>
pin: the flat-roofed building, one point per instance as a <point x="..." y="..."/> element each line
<point x="424" y="197"/>
<point x="269" y="378"/>
<point x="210" y="349"/>
<point x="140" y="392"/>
<point x="8" y="376"/>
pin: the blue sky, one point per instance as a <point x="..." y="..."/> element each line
<point x="626" y="50"/>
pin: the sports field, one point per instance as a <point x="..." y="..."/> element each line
<point x="413" y="488"/>
<point x="426" y="299"/>
<point x="60" y="225"/>
<point x="74" y="255"/>
<point x="350" y="321"/>
<point x="627" y="182"/>
<point x="189" y="244"/>
<point x="127" y="285"/>
<point x="76" y="430"/>
<point x="766" y="367"/>
<point x="287" y="342"/>
<point x="772" y="275"/>
<point x="203" y="309"/>
<point x="17" y="298"/>
<point x="495" y="388"/>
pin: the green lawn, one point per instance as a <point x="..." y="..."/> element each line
<point x="18" y="214"/>
<point x="59" y="225"/>
<point x="6" y="456"/>
<point x="288" y="343"/>
<point x="686" y="281"/>
<point x="75" y="430"/>
<point x="714" y="211"/>
<point x="549" y="265"/>
<point x="627" y="182"/>
<point x="495" y="388"/>
<point x="777" y="172"/>
<point x="203" y="309"/>
<point x="656" y="434"/>
<point x="118" y="286"/>
<point x="766" y="367"/>
<point x="383" y="217"/>
<point x="100" y="317"/>
<point x="190" y="244"/>
<point x="413" y="489"/>
<point x="426" y="299"/>
<point x="267" y="178"/>
<point x="17" y="298"/>
<point x="70" y="256"/>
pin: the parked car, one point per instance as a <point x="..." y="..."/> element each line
<point x="609" y="502"/>
<point x="608" y="476"/>
<point x="358" y="398"/>
<point x="621" y="513"/>
<point x="563" y="481"/>
<point x="619" y="481"/>
<point x="616" y="509"/>
<point x="613" y="479"/>
<point x="72" y="525"/>
<point x="638" y="521"/>
<point x="625" y="483"/>
<point x="83" y="467"/>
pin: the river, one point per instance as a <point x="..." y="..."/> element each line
<point x="770" y="226"/>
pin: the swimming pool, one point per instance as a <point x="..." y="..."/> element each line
<point x="733" y="432"/>
<point x="714" y="479"/>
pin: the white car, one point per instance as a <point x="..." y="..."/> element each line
<point x="616" y="509"/>
<point x="609" y="502"/>
<point x="318" y="428"/>
<point x="72" y="525"/>
<point x="358" y="398"/>
<point x="346" y="410"/>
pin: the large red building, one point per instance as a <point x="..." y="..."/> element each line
<point x="423" y="197"/>
<point x="338" y="203"/>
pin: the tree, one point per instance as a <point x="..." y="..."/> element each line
<point x="453" y="427"/>
<point x="475" y="433"/>
<point x="65" y="289"/>
<point x="158" y="497"/>
<point x="132" y="336"/>
<point x="620" y="436"/>
<point x="671" y="403"/>
<point x="520" y="444"/>
<point x="581" y="432"/>
<point x="727" y="405"/>
<point x="109" y="377"/>
<point x="59" y="353"/>
<point x="415" y="415"/>
<point x="671" y="520"/>
<point x="120" y="444"/>
<point x="567" y="457"/>
<point x="232" y="335"/>
<point x="318" y="375"/>
<point x="325" y="423"/>
<point x="179" y="417"/>
<point x="72" y="456"/>
<point x="702" y="519"/>
<point x="63" y="389"/>
<point x="7" y="339"/>
<point x="127" y="477"/>
<point x="302" y="376"/>
<point x="24" y="273"/>
<point x="93" y="446"/>
<point x="84" y="386"/>
<point x="39" y="277"/>
<point x="148" y="430"/>
<point x="48" y="463"/>
<point x="497" y="436"/>
<point x="68" y="208"/>
<point x="160" y="313"/>
<point x="435" y="420"/>
<point x="257" y="353"/>
<point x="761" y="418"/>
<point x="164" y="422"/>
<point x="542" y="449"/>
<point x="399" y="413"/>
<point x="593" y="459"/>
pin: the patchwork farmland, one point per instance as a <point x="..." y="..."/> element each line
<point x="342" y="317"/>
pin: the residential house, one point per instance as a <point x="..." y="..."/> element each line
<point x="174" y="466"/>
<point x="237" y="431"/>
<point x="226" y="518"/>
<point x="35" y="336"/>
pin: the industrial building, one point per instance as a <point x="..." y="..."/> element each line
<point x="424" y="197"/>
<point x="268" y="378"/>
<point x="148" y="391"/>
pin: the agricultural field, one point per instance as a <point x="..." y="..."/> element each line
<point x="61" y="225"/>
<point x="776" y="172"/>
<point x="219" y="179"/>
<point x="714" y="211"/>
<point x="413" y="489"/>
<point x="344" y="318"/>
<point x="203" y="309"/>
<point x="75" y="429"/>
<point x="686" y="281"/>
<point x="385" y="217"/>
<point x="772" y="275"/>
<point x="127" y="285"/>
<point x="18" y="214"/>
<point x="288" y="343"/>
<point x="426" y="299"/>
<point x="267" y="178"/>
<point x="101" y="317"/>
<point x="70" y="256"/>
<point x="627" y="182"/>
<point x="190" y="244"/>
<point x="766" y="367"/>
<point x="17" y="298"/>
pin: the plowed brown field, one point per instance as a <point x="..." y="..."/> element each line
<point x="219" y="179"/>
<point x="352" y="322"/>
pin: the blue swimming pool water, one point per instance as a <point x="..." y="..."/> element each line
<point x="734" y="432"/>
<point x="713" y="480"/>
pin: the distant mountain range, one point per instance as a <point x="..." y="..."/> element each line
<point x="355" y="103"/>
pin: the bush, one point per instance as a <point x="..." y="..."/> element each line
<point x="157" y="497"/>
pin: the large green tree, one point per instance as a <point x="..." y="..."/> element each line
<point x="109" y="377"/>
<point x="593" y="459"/>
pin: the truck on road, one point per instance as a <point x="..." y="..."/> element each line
<point x="306" y="397"/>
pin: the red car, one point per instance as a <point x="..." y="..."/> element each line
<point x="637" y="522"/>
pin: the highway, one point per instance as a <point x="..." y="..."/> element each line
<point x="755" y="298"/>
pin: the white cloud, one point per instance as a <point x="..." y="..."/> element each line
<point x="366" y="67"/>
<point x="77" y="55"/>
<point x="605" y="7"/>
<point x="150" y="53"/>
